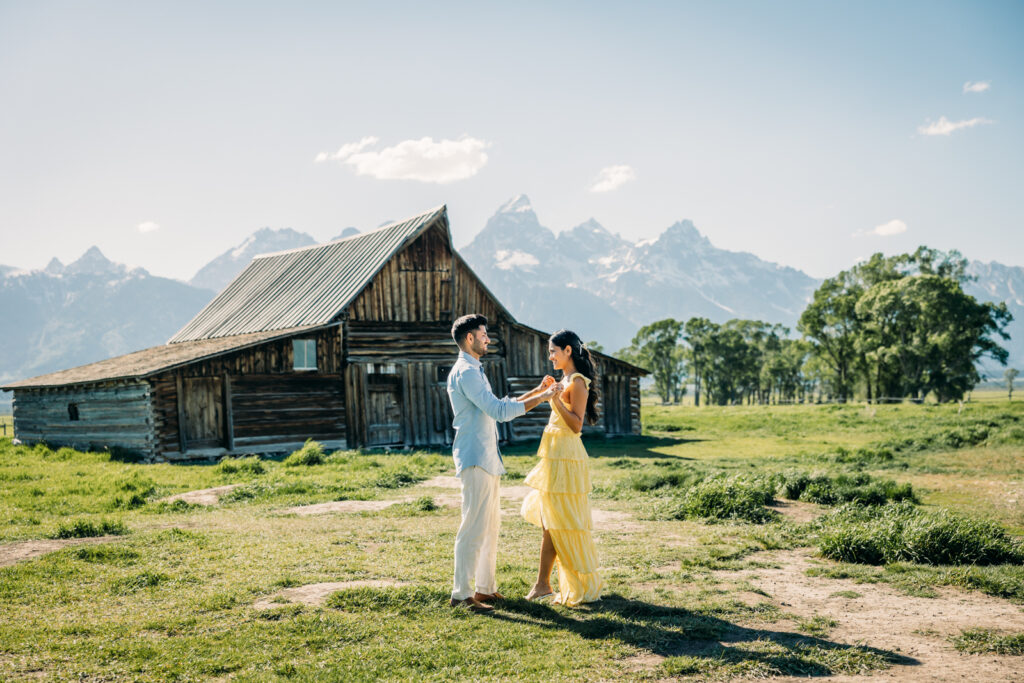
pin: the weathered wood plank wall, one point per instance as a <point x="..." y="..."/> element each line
<point x="109" y="414"/>
<point x="270" y="402"/>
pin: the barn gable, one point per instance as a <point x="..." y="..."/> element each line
<point x="308" y="286"/>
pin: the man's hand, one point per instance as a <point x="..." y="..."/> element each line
<point x="547" y="381"/>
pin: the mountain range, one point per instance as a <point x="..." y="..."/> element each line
<point x="586" y="278"/>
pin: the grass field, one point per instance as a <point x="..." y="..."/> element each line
<point x="735" y="542"/>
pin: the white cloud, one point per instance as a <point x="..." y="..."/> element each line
<point x="976" y="86"/>
<point x="345" y="151"/>
<point x="444" y="161"/>
<point x="612" y="178"/>
<point x="893" y="227"/>
<point x="944" y="126"/>
<point x="148" y="226"/>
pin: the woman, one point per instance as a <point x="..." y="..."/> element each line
<point x="560" y="501"/>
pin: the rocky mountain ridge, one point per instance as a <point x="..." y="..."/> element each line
<point x="586" y="278"/>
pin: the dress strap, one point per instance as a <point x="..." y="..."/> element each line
<point x="586" y="380"/>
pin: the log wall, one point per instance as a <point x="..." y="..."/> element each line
<point x="109" y="414"/>
<point x="267" y="405"/>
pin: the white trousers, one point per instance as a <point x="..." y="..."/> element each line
<point x="476" y="544"/>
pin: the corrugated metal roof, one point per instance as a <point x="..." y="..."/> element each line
<point x="153" y="360"/>
<point x="307" y="286"/>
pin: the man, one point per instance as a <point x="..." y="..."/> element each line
<point x="478" y="462"/>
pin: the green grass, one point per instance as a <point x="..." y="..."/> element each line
<point x="902" y="533"/>
<point x="985" y="641"/>
<point x="171" y="597"/>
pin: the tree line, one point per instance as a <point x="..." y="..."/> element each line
<point x="889" y="328"/>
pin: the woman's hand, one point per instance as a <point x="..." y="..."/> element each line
<point x="547" y="381"/>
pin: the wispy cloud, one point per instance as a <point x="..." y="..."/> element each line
<point x="893" y="227"/>
<point x="425" y="160"/>
<point x="944" y="126"/>
<point x="977" y="86"/>
<point x="345" y="151"/>
<point x="612" y="178"/>
<point x="148" y="226"/>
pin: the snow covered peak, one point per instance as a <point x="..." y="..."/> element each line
<point x="591" y="226"/>
<point x="93" y="262"/>
<point x="518" y="204"/>
<point x="684" y="232"/>
<point x="54" y="267"/>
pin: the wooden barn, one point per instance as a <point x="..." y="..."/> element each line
<point x="347" y="343"/>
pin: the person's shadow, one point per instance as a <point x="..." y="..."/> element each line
<point x="673" y="631"/>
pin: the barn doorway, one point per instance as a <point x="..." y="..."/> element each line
<point x="203" y="409"/>
<point x="383" y="409"/>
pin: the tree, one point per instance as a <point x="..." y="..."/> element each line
<point x="698" y="332"/>
<point x="656" y="347"/>
<point x="830" y="322"/>
<point x="1009" y="375"/>
<point x="932" y="333"/>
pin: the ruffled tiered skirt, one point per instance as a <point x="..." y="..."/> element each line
<point x="560" y="503"/>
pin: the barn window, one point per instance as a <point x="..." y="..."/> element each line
<point x="305" y="354"/>
<point x="72" y="411"/>
<point x="442" y="373"/>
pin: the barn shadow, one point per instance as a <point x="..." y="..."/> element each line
<point x="656" y="629"/>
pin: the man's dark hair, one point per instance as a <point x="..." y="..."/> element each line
<point x="466" y="324"/>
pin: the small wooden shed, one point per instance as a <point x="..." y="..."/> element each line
<point x="347" y="343"/>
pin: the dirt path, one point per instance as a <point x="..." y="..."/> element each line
<point x="317" y="593"/>
<point x="19" y="551"/>
<point x="202" y="496"/>
<point x="886" y="619"/>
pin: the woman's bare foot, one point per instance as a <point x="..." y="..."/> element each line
<point x="538" y="591"/>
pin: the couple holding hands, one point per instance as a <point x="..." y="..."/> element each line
<point x="560" y="500"/>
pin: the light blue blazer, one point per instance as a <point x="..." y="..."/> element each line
<point x="477" y="413"/>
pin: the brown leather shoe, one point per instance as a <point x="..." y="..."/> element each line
<point x="484" y="597"/>
<point x="472" y="604"/>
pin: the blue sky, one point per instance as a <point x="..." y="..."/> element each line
<point x="166" y="132"/>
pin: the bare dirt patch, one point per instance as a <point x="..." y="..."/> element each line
<point x="444" y="481"/>
<point x="797" y="511"/>
<point x="883" y="618"/>
<point x="515" y="492"/>
<point x="316" y="593"/>
<point x="614" y="520"/>
<point x="19" y="551"/>
<point x="202" y="496"/>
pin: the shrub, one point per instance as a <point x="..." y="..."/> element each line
<point x="136" y="500"/>
<point x="899" y="532"/>
<point x="396" y="479"/>
<point x="311" y="453"/>
<point x="424" y="504"/>
<point x="844" y="488"/>
<point x="81" y="528"/>
<point x="648" y="481"/>
<point x="250" y="465"/>
<point x="725" y="498"/>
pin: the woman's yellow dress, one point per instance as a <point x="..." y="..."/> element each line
<point x="560" y="503"/>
